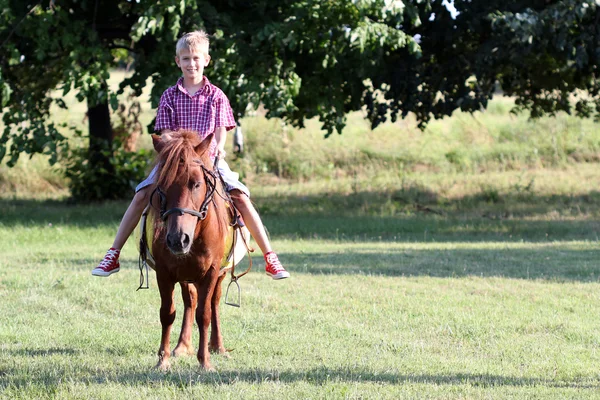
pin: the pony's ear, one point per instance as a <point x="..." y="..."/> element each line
<point x="157" y="142"/>
<point x="205" y="145"/>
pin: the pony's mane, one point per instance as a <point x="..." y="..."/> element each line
<point x="174" y="160"/>
<point x="176" y="155"/>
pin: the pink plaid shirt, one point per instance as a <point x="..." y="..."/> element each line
<point x="203" y="112"/>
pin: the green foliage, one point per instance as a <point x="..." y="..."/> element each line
<point x="298" y="58"/>
<point x="87" y="182"/>
<point x="304" y="59"/>
<point x="543" y="55"/>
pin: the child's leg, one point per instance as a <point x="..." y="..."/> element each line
<point x="110" y="263"/>
<point x="131" y="217"/>
<point x="252" y="220"/>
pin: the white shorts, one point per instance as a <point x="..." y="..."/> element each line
<point x="232" y="179"/>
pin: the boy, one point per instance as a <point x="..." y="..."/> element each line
<point x="196" y="104"/>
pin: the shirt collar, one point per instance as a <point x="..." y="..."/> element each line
<point x="206" y="89"/>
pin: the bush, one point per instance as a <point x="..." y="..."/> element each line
<point x="87" y="182"/>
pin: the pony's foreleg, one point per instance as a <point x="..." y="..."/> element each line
<point x="203" y="315"/>
<point x="216" y="339"/>
<point x="167" y="316"/>
<point x="190" y="301"/>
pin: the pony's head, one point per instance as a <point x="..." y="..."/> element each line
<point x="185" y="181"/>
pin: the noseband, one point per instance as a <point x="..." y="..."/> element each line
<point x="210" y="179"/>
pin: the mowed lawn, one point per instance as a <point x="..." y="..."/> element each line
<point x="488" y="297"/>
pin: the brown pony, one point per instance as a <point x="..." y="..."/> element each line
<point x="189" y="242"/>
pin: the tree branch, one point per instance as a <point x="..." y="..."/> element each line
<point x="19" y="23"/>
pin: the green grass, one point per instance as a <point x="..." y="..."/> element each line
<point x="362" y="321"/>
<point x="381" y="304"/>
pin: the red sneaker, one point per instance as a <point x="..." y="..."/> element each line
<point x="274" y="268"/>
<point x="109" y="265"/>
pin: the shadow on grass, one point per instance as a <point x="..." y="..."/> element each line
<point x="419" y="215"/>
<point x="343" y="219"/>
<point x="419" y="228"/>
<point x="486" y="203"/>
<point x="547" y="263"/>
<point x="320" y="376"/>
<point x="316" y="376"/>
<point x="43" y="212"/>
<point x="555" y="262"/>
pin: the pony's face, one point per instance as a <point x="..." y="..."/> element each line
<point x="187" y="192"/>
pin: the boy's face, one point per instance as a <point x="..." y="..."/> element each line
<point x="192" y="63"/>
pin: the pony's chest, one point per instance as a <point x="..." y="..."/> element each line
<point x="191" y="267"/>
<point x="189" y="273"/>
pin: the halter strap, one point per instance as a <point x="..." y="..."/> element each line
<point x="211" y="186"/>
<point x="181" y="211"/>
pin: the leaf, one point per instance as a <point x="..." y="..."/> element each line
<point x="5" y="94"/>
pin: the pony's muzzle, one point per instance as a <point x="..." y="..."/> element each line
<point x="179" y="243"/>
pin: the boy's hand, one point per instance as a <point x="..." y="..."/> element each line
<point x="221" y="154"/>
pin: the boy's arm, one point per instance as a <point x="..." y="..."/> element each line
<point x="221" y="138"/>
<point x="165" y="134"/>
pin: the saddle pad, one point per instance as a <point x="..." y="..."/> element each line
<point x="235" y="248"/>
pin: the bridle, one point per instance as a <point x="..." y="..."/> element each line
<point x="210" y="179"/>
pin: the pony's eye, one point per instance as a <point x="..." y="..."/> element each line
<point x="196" y="185"/>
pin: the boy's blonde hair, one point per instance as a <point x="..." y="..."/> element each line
<point x="193" y="40"/>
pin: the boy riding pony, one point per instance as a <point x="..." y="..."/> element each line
<point x="195" y="104"/>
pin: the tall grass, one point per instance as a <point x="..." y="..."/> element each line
<point x="486" y="141"/>
<point x="492" y="140"/>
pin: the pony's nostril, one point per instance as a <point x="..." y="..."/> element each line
<point x="178" y="242"/>
<point x="185" y="240"/>
<point x="169" y="240"/>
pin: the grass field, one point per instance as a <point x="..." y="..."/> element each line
<point x="473" y="303"/>
<point x="456" y="263"/>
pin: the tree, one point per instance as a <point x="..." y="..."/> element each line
<point x="64" y="45"/>
<point x="543" y="52"/>
<point x="264" y="53"/>
<point x="299" y="58"/>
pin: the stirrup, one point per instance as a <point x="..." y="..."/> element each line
<point x="239" y="295"/>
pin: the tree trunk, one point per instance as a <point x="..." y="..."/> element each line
<point x="101" y="136"/>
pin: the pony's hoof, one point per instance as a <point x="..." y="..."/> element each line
<point x="221" y="351"/>
<point x="207" y="368"/>
<point x="163" y="366"/>
<point x="183" y="351"/>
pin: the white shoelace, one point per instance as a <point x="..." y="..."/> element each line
<point x="110" y="256"/>
<point x="274" y="261"/>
